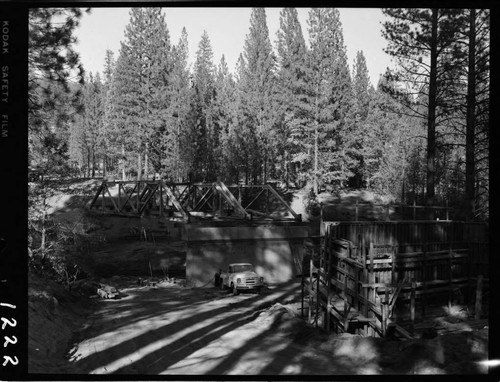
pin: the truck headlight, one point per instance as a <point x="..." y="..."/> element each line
<point x="238" y="281"/>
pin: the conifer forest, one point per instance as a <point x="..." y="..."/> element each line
<point x="293" y="111"/>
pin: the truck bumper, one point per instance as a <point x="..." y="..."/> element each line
<point x="249" y="287"/>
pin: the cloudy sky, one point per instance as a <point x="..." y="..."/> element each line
<point x="227" y="27"/>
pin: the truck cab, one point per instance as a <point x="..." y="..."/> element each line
<point x="241" y="276"/>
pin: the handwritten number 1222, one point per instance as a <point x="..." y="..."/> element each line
<point x="13" y="340"/>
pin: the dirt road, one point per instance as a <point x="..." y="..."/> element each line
<point x="191" y="331"/>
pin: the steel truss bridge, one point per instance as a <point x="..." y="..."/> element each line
<point x="185" y="201"/>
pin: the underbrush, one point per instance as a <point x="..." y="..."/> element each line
<point x="57" y="248"/>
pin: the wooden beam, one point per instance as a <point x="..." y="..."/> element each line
<point x="229" y="197"/>
<point x="479" y="298"/>
<point x="275" y="193"/>
<point x="175" y="201"/>
<point x="129" y="196"/>
<point x="112" y="200"/>
<point x="254" y="199"/>
<point x="151" y="193"/>
<point x="204" y="199"/>
<point x="97" y="195"/>
<point x="412" y="306"/>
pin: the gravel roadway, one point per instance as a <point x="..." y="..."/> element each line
<point x="174" y="330"/>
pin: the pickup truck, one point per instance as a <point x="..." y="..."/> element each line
<point x="240" y="276"/>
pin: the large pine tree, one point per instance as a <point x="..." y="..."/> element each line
<point x="420" y="40"/>
<point x="256" y="84"/>
<point x="224" y="110"/>
<point x="293" y="145"/>
<point x="329" y="94"/>
<point x="175" y="164"/>
<point x="55" y="76"/>
<point x="357" y="143"/>
<point x="109" y="152"/>
<point x="141" y="96"/>
<point x="205" y="135"/>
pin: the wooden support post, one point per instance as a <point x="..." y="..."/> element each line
<point x="161" y="200"/>
<point x="267" y="200"/>
<point x="372" y="263"/>
<point x="138" y="195"/>
<point x="356" y="288"/>
<point x="393" y="266"/>
<point x="317" y="295"/>
<point x="424" y="266"/>
<point x="383" y="309"/>
<point x="479" y="298"/>
<point x="356" y="209"/>
<point x="345" y="287"/>
<point x="309" y="315"/>
<point x="412" y="306"/>
<point x="414" y="211"/>
<point x="302" y="292"/>
<point x="450" y="278"/>
<point x="329" y="296"/>
<point x="365" y="292"/>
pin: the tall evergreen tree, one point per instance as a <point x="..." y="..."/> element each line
<point x="256" y="91"/>
<point x="55" y="76"/>
<point x="141" y="86"/>
<point x="109" y="154"/>
<point x="329" y="93"/>
<point x="420" y="40"/>
<point x="173" y="165"/>
<point x="470" y="60"/>
<point x="51" y="58"/>
<point x="359" y="149"/>
<point x="224" y="115"/>
<point x="204" y="85"/>
<point x="291" y="93"/>
<point x="85" y="134"/>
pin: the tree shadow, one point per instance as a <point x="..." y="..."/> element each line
<point x="180" y="347"/>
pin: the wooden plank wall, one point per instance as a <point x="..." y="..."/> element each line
<point x="376" y="264"/>
<point x="416" y="236"/>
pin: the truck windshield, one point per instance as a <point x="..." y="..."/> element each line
<point x="242" y="268"/>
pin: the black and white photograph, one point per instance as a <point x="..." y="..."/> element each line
<point x="252" y="191"/>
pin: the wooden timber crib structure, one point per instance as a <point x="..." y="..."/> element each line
<point x="367" y="277"/>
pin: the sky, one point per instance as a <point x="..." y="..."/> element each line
<point x="227" y="28"/>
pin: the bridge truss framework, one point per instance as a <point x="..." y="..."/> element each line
<point x="185" y="201"/>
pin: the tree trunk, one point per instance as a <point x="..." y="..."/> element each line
<point x="123" y="162"/>
<point x="431" y="118"/>
<point x="104" y="166"/>
<point x="88" y="163"/>
<point x="146" y="170"/>
<point x="470" y="120"/>
<point x="139" y="166"/>
<point x="93" y="163"/>
<point x="315" y="185"/>
<point x="316" y="159"/>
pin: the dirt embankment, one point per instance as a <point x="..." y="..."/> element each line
<point x="54" y="315"/>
